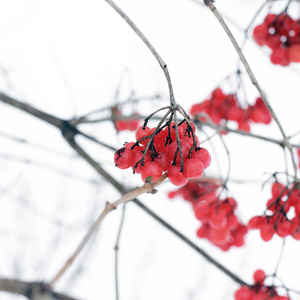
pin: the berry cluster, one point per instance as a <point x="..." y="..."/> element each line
<point x="126" y="124"/>
<point x="281" y="34"/>
<point x="258" y="291"/>
<point x="221" y="107"/>
<point x="220" y="225"/>
<point x="275" y="218"/>
<point x="157" y="150"/>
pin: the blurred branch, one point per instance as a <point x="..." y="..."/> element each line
<point x="31" y="290"/>
<point x="147" y="187"/>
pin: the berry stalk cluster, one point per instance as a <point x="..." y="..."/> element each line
<point x="258" y="291"/>
<point x="221" y="107"/>
<point x="160" y="149"/>
<point x="282" y="215"/>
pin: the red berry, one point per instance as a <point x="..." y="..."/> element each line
<point x="175" y="176"/>
<point x="294" y="53"/>
<point x="203" y="155"/>
<point x="151" y="169"/>
<point x="141" y="133"/>
<point x="164" y="160"/>
<point x="259" y="276"/>
<point x="279" y="56"/>
<point x="123" y="158"/>
<point x="193" y="168"/>
<point x="137" y="157"/>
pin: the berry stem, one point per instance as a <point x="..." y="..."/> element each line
<point x="150" y="47"/>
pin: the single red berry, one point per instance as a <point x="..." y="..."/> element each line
<point x="243" y="293"/>
<point x="164" y="160"/>
<point x="259" y="276"/>
<point x="151" y="169"/>
<point x="175" y="176"/>
<point x="141" y="133"/>
<point x="172" y="148"/>
<point x="294" y="53"/>
<point x="203" y="155"/>
<point x="137" y="157"/>
<point x="193" y="168"/>
<point x="123" y="158"/>
<point x="279" y="56"/>
<point x="278" y="189"/>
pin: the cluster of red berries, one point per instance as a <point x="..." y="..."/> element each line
<point x="156" y="151"/>
<point x="220" y="225"/>
<point x="275" y="219"/>
<point x="258" y="291"/>
<point x="281" y="34"/>
<point x="221" y="107"/>
<point x="126" y="124"/>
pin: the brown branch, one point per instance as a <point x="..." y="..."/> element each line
<point x="145" y="188"/>
<point x="31" y="290"/>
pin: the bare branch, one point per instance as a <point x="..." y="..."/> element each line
<point x="145" y="188"/>
<point x="31" y="290"/>
<point x="150" y="47"/>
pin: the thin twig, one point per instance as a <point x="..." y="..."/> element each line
<point x="150" y="47"/>
<point x="117" y="248"/>
<point x="145" y="188"/>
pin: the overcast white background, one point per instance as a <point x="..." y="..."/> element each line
<point x="68" y="58"/>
